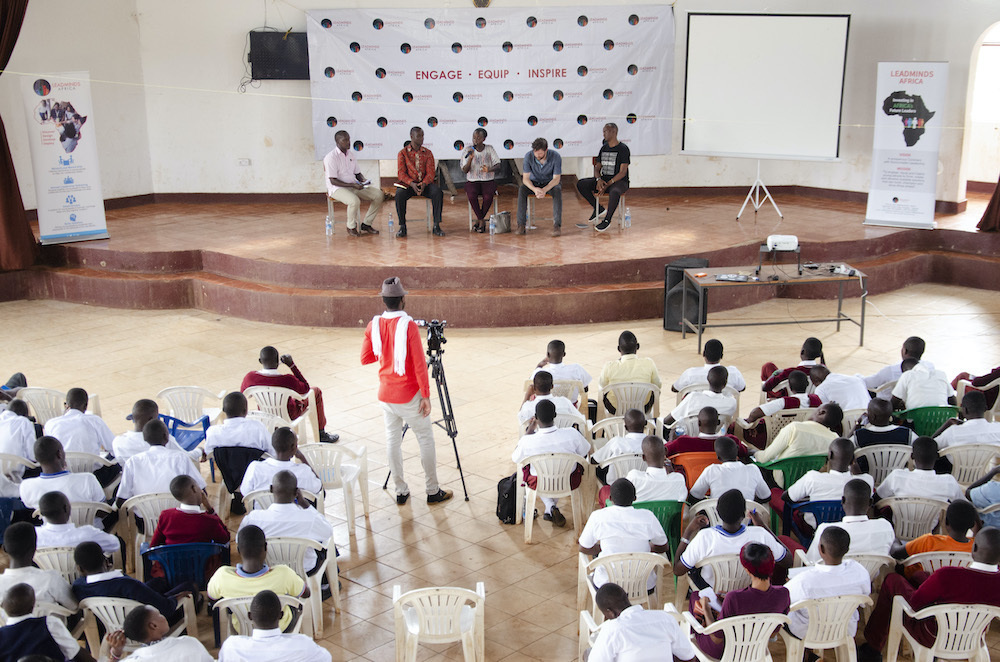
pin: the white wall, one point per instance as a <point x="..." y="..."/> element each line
<point x="984" y="116"/>
<point x="187" y="131"/>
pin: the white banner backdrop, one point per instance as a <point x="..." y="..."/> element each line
<point x="63" y="143"/>
<point x="555" y="72"/>
<point x="909" y="97"/>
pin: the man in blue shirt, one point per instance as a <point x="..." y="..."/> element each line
<point x="541" y="172"/>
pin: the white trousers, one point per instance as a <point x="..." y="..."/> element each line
<point x="353" y="197"/>
<point x="395" y="415"/>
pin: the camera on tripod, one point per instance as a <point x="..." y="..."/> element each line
<point x="435" y="334"/>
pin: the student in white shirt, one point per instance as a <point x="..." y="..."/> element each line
<point x="151" y="472"/>
<point x="17" y="433"/>
<point x="77" y="430"/>
<point x="291" y="515"/>
<point x="829" y="485"/>
<point x="628" y="444"/>
<point x="972" y="428"/>
<point x="835" y="577"/>
<point x="55" y="477"/>
<point x="19" y="541"/>
<point x="657" y="482"/>
<point x="723" y="403"/>
<point x="921" y="386"/>
<point x="541" y="389"/>
<point x="922" y="480"/>
<point x="286" y="447"/>
<point x="267" y="641"/>
<point x="868" y="536"/>
<point x="58" y="531"/>
<point x="913" y="347"/>
<point x="699" y="374"/>
<point x="633" y="634"/>
<point x="622" y="528"/>
<point x="550" y="439"/>
<point x="237" y="429"/>
<point x="131" y="443"/>
<point x="880" y="429"/>
<point x="730" y="474"/>
<point x="148" y="626"/>
<point x="554" y="365"/>
<point x="847" y="391"/>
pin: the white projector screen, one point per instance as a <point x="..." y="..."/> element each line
<point x="764" y="85"/>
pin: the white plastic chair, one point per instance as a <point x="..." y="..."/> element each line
<point x="851" y="417"/>
<point x="623" y="464"/>
<point x="146" y="507"/>
<point x="13" y="466"/>
<point x="961" y="631"/>
<point x="291" y="552"/>
<point x="970" y="461"/>
<point x="274" y="400"/>
<point x="564" y="421"/>
<point x="728" y="573"/>
<point x="695" y="388"/>
<point x="270" y="423"/>
<point x="439" y="616"/>
<point x="59" y="559"/>
<point x="963" y="385"/>
<point x="328" y="462"/>
<point x="261" y="499"/>
<point x="86" y="463"/>
<point x="912" y="517"/>
<point x="775" y="423"/>
<point x="188" y="403"/>
<point x="711" y="509"/>
<point x="111" y="613"/>
<point x="883" y="459"/>
<point x="630" y="395"/>
<point x="782" y="389"/>
<point x="553" y="473"/>
<point x="829" y="627"/>
<point x="571" y="389"/>
<point x="931" y="561"/>
<point x="747" y="637"/>
<point x="608" y="428"/>
<point x="239" y="609"/>
<point x="630" y="570"/>
<point x="83" y="512"/>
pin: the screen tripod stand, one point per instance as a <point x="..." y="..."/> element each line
<point x="435" y="364"/>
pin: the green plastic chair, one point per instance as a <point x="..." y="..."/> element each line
<point x="669" y="513"/>
<point x="792" y="468"/>
<point x="927" y="420"/>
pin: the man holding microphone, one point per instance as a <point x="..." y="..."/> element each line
<point x="393" y="340"/>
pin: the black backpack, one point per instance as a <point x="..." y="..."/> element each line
<point x="506" y="499"/>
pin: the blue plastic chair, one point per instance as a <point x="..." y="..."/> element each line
<point x="189" y="435"/>
<point x="186" y="562"/>
<point x="823" y="511"/>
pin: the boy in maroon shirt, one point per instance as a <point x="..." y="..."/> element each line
<point x="193" y="520"/>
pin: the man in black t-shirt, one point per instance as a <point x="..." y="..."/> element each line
<point x="610" y="177"/>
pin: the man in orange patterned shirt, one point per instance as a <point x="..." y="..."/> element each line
<point x="415" y="167"/>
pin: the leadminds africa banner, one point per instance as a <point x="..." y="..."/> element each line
<point x="909" y="97"/>
<point x="63" y="143"/>
<point x="559" y="73"/>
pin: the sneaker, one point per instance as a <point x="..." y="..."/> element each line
<point x="442" y="495"/>
<point x="327" y="438"/>
<point x="367" y="229"/>
<point x="603" y="225"/>
<point x="556" y="232"/>
<point x="401" y="499"/>
<point x="600" y="214"/>
<point x="556" y="517"/>
<point x="353" y="232"/>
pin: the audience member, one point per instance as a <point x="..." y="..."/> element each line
<point x="847" y="391"/>
<point x="980" y="383"/>
<point x="699" y="374"/>
<point x="972" y="428"/>
<point x="151" y="471"/>
<point x="237" y="429"/>
<point x="724" y="404"/>
<point x="286" y="447"/>
<point x="628" y="444"/>
<point x="913" y="348"/>
<point x="829" y="485"/>
<point x="880" y="429"/>
<point x="798" y="383"/>
<point x="867" y="536"/>
<point x="55" y="477"/>
<point x="192" y="521"/>
<point x="978" y="583"/>
<point x="960" y="518"/>
<point x="984" y="493"/>
<point x="810" y="437"/>
<point x="24" y="635"/>
<point x="58" y="531"/>
<point x="628" y="368"/>
<point x="921" y="481"/>
<point x="132" y="443"/>
<point x="267" y="641"/>
<point x="810" y="355"/>
<point x="148" y="626"/>
<point x="633" y="633"/>
<point x="622" y="528"/>
<point x="921" y="386"/>
<point x="541" y="389"/>
<point x="834" y="577"/>
<point x="657" y="482"/>
<point x="760" y="598"/>
<point x="550" y="439"/>
<point x="291" y="515"/>
<point x="269" y="375"/>
<point x="19" y="541"/>
<point x="553" y="364"/>
<point x="709" y="429"/>
<point x="79" y="431"/>
<point x="17" y="433"/>
<point x="253" y="575"/>
<point x="730" y="474"/>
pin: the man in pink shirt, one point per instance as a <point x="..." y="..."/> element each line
<point x="345" y="183"/>
<point x="404" y="390"/>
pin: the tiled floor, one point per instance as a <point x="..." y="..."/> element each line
<point x="531" y="614"/>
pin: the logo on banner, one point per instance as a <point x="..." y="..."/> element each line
<point x="582" y="21"/>
<point x="429" y="23"/>
<point x="508" y="144"/>
<point x="405" y="48"/>
<point x="358" y="145"/>
<point x="355" y="47"/>
<point x="459" y="145"/>
<point x="66" y="161"/>
<point x="71" y="199"/>
<point x="456" y="47"/>
<point x="532" y="21"/>
<point x="331" y="121"/>
<point x="457" y="97"/>
<point x="581" y="70"/>
<point x="432" y="122"/>
<point x="632" y="70"/>
<point x="329" y="72"/>
<point x="72" y="218"/>
<point x="508" y="96"/>
<point x="911" y="111"/>
<point x="633" y="20"/>
<point x="507" y="47"/>
<point x="42" y="87"/>
<point x="557" y="143"/>
<point x="581" y="119"/>
<point x="558" y="95"/>
<point x="482" y="121"/>
<point x="608" y="44"/>
<point x="480" y="22"/>
<point x="631" y="118"/>
<point x="609" y="94"/>
<point x="532" y="120"/>
<point x="557" y="46"/>
<point x="68" y="180"/>
<point x="380" y="73"/>
<point x="382" y="122"/>
<point x="357" y="96"/>
<point x="378" y="24"/>
<point x="407" y="97"/>
<point x="326" y="23"/>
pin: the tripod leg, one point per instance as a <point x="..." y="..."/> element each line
<point x="448" y="416"/>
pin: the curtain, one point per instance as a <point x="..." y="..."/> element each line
<point x="17" y="242"/>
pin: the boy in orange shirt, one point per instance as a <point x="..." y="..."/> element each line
<point x="959" y="519"/>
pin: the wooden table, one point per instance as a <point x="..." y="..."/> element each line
<point x="770" y="276"/>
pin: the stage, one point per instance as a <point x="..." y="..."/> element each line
<point x="272" y="262"/>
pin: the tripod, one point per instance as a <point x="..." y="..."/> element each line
<point x="447" y="423"/>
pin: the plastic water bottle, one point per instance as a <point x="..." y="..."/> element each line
<point x="329" y="227"/>
<point x="390" y="224"/>
<point x="680" y="430"/>
<point x="493" y="224"/>
<point x="628" y="217"/>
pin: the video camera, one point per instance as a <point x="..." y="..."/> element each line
<point x="435" y="334"/>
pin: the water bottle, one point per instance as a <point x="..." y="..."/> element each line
<point x="390" y="224"/>
<point x="628" y="217"/>
<point x="329" y="227"/>
<point x="493" y="224"/>
<point x="680" y="430"/>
